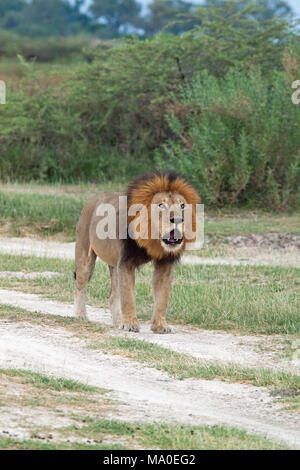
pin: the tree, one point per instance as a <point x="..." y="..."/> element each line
<point x="10" y="12"/>
<point x="78" y="20"/>
<point x="44" y="18"/>
<point x="166" y="12"/>
<point x="269" y="8"/>
<point x="11" y="5"/>
<point x="119" y="15"/>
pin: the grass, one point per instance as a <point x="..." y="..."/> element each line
<point x="291" y="403"/>
<point x="52" y="383"/>
<point x="157" y="436"/>
<point x="54" y="209"/>
<point x="179" y="437"/>
<point x="248" y="299"/>
<point x="43" y="214"/>
<point x="177" y="365"/>
<point x="7" y="443"/>
<point x="241" y="221"/>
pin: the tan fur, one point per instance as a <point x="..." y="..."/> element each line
<point x="123" y="257"/>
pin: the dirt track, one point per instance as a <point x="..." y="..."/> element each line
<point x="149" y="394"/>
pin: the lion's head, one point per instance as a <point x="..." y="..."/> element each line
<point x="165" y="201"/>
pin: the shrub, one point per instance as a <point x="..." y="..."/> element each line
<point x="238" y="138"/>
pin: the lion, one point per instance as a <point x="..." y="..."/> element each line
<point x="169" y="194"/>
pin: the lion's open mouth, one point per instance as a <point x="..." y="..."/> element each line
<point x="173" y="238"/>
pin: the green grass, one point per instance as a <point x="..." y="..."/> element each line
<point x="44" y="213"/>
<point x="7" y="443"/>
<point x="52" y="383"/>
<point x="248" y="299"/>
<point x="241" y="221"/>
<point x="149" y="436"/>
<point x="179" y="437"/>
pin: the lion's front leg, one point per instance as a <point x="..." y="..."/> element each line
<point x="162" y="279"/>
<point x="126" y="274"/>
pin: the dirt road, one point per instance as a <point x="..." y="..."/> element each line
<point x="148" y="393"/>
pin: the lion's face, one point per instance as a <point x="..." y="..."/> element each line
<point x="169" y="223"/>
<point x="164" y="196"/>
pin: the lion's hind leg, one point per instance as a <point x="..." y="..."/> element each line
<point x="85" y="265"/>
<point x="115" y="299"/>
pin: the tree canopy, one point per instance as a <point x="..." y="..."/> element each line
<point x="114" y="18"/>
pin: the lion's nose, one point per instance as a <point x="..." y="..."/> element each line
<point x="176" y="220"/>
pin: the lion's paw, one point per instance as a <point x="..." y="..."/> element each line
<point x="81" y="315"/>
<point x="132" y="327"/>
<point x="162" y="329"/>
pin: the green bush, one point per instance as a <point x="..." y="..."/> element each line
<point x="238" y="138"/>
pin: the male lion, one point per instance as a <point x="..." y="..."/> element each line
<point x="170" y="194"/>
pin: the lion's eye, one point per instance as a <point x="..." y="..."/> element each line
<point x="182" y="206"/>
<point x="162" y="205"/>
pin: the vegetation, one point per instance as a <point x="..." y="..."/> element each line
<point x="48" y="214"/>
<point x="238" y="139"/>
<point x="173" y="437"/>
<point x="177" y="437"/>
<point x="213" y="103"/>
<point x="42" y="50"/>
<point x="52" y="383"/>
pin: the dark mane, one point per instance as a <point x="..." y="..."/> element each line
<point x="137" y="256"/>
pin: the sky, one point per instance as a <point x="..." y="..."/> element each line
<point x="295" y="4"/>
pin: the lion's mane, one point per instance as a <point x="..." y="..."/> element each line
<point x="142" y="190"/>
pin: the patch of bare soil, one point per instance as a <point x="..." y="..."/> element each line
<point x="148" y="394"/>
<point x="40" y="248"/>
<point x="67" y="191"/>
<point x="267" y="240"/>
<point x="249" y="256"/>
<point x="32" y="275"/>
